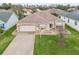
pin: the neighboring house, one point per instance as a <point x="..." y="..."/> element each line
<point x="27" y="11"/>
<point x="38" y="10"/>
<point x="75" y="12"/>
<point x="39" y="21"/>
<point x="71" y="18"/>
<point x="72" y="9"/>
<point x="7" y="20"/>
<point x="2" y="10"/>
<point x="53" y="10"/>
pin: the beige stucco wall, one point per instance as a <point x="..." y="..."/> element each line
<point x="45" y="26"/>
<point x="37" y="26"/>
<point x="23" y="24"/>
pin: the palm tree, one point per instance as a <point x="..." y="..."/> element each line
<point x="61" y="35"/>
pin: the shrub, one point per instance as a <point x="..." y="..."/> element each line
<point x="1" y="31"/>
<point x="55" y="14"/>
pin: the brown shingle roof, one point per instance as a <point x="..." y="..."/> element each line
<point x="39" y="17"/>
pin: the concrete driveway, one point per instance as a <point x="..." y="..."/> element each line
<point x="22" y="44"/>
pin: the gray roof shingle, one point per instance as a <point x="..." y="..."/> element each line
<point x="72" y="15"/>
<point x="4" y="16"/>
<point x="75" y="12"/>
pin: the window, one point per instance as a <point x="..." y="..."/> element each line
<point x="60" y="17"/>
<point x="2" y="26"/>
<point x="68" y="20"/>
<point x="75" y="23"/>
<point x="51" y="25"/>
<point x="42" y="27"/>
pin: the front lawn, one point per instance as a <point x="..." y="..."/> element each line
<point x="6" y="38"/>
<point x="48" y="44"/>
<point x="1" y="31"/>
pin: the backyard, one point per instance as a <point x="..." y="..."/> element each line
<point x="6" y="38"/>
<point x="48" y="44"/>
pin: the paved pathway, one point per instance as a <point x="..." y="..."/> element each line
<point x="22" y="44"/>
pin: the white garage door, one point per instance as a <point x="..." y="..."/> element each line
<point x="27" y="28"/>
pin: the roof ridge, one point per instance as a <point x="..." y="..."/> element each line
<point x="42" y="18"/>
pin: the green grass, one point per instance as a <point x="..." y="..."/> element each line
<point x="49" y="44"/>
<point x="6" y="38"/>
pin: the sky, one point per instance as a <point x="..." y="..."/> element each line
<point x="72" y="2"/>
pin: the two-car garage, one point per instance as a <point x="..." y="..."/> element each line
<point x="27" y="28"/>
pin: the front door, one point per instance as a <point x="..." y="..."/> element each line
<point x="51" y="25"/>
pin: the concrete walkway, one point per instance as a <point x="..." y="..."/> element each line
<point x="22" y="44"/>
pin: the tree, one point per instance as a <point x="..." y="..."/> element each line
<point x="63" y="7"/>
<point x="18" y="9"/>
<point x="77" y="7"/>
<point x="55" y="14"/>
<point x="1" y="31"/>
<point x="61" y="35"/>
<point x="52" y="6"/>
<point x="5" y="6"/>
<point x="10" y="5"/>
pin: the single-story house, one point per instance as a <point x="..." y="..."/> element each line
<point x="72" y="9"/>
<point x="53" y="10"/>
<point x="71" y="18"/>
<point x="38" y="10"/>
<point x="39" y="21"/>
<point x="7" y="19"/>
<point x="27" y="11"/>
